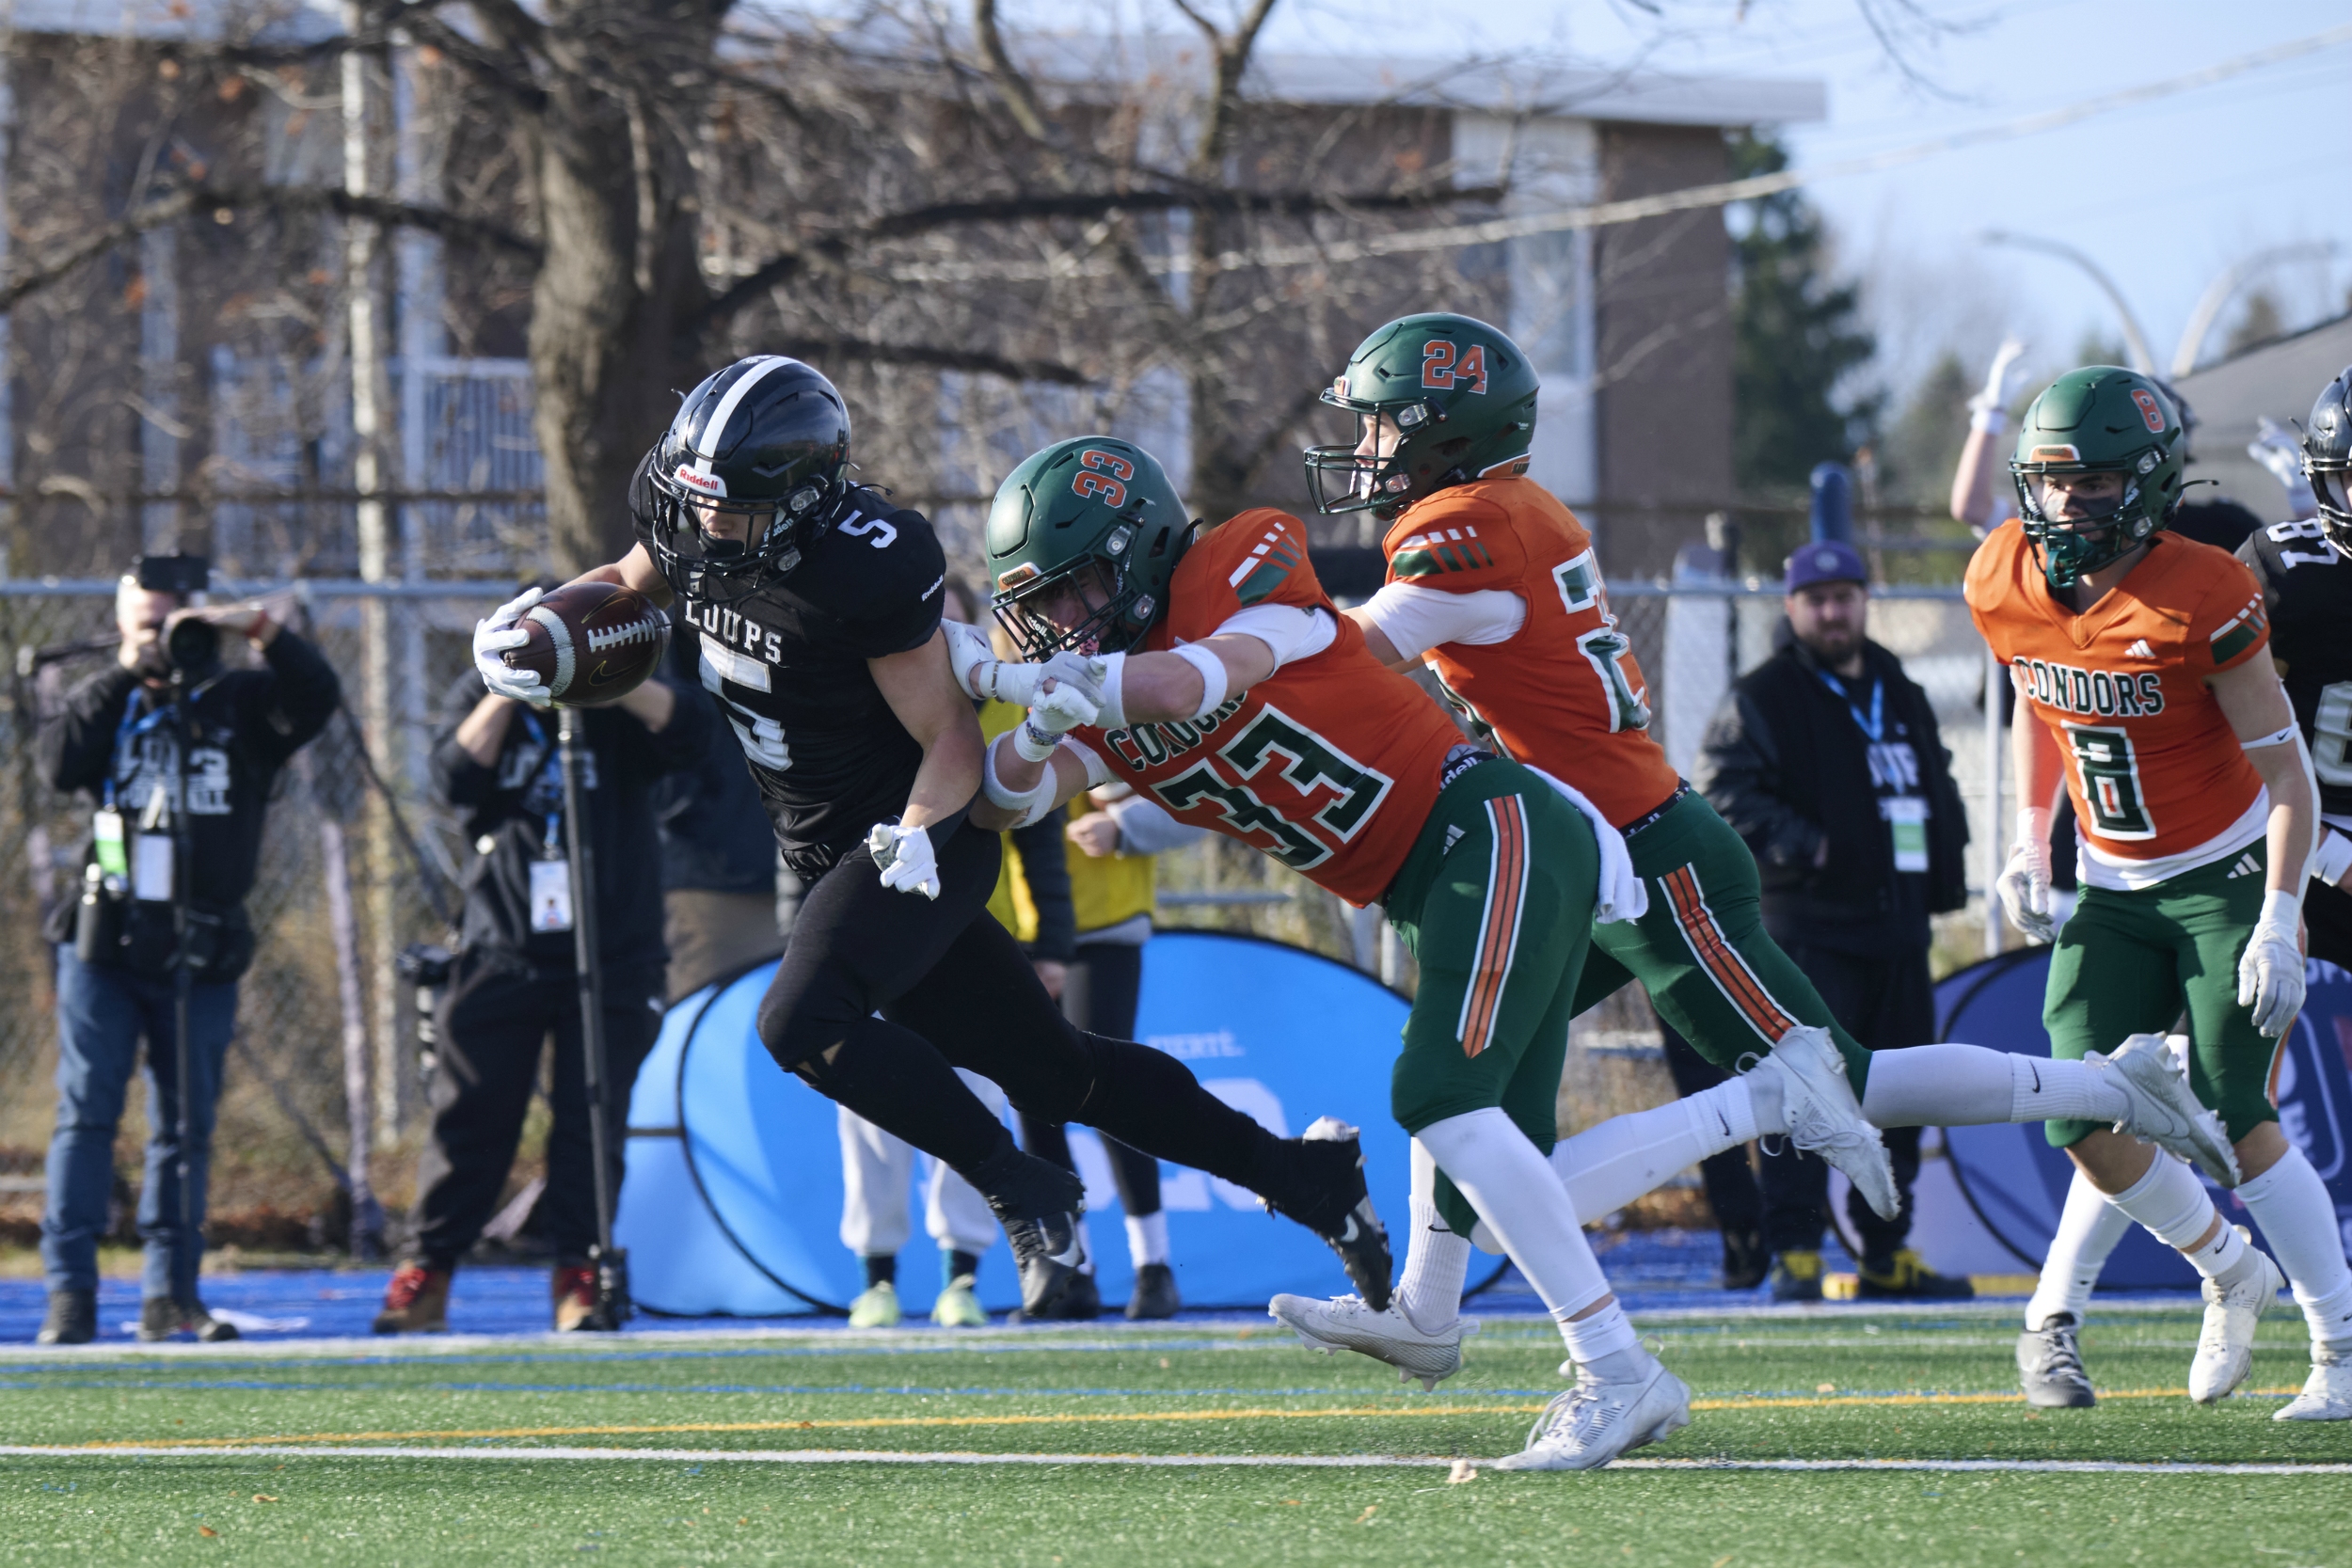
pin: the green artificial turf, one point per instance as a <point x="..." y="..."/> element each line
<point x="1174" y="1390"/>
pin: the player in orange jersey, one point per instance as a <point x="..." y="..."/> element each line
<point x="1493" y="582"/>
<point x="1234" y="693"/>
<point x="2140" y="658"/>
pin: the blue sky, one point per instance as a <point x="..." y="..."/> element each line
<point x="2164" y="196"/>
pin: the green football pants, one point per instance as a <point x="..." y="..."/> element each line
<point x="2129" y="964"/>
<point x="1496" y="903"/>
<point x="1702" y="951"/>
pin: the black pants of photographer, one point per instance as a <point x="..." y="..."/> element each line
<point x="1106" y="980"/>
<point x="1887" y="1004"/>
<point x="494" y="1020"/>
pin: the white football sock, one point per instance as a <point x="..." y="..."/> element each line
<point x="1147" y="1238"/>
<point x="1938" y="1085"/>
<point x="2298" y="1220"/>
<point x="1605" y="1342"/>
<point x="1437" y="1259"/>
<point x="2171" y="1203"/>
<point x="2088" y="1231"/>
<point x="1514" y="1191"/>
<point x="1611" y="1164"/>
<point x="2043" y="1088"/>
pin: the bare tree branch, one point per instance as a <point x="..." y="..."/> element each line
<point x="171" y="209"/>
<point x="1020" y="98"/>
<point x="937" y="358"/>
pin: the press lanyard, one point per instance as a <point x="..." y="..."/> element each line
<point x="1874" y="726"/>
<point x="551" y="777"/>
<point x="132" y="727"/>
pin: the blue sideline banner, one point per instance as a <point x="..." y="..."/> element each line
<point x="733" y="1199"/>
<point x="2017" y="1182"/>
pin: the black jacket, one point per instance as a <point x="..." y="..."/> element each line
<point x="1786" y="765"/>
<point x="245" y="725"/>
<point x="506" y="805"/>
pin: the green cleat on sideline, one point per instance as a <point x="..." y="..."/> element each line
<point x="958" y="1307"/>
<point x="876" y="1307"/>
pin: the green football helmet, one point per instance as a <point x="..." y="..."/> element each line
<point x="2099" y="420"/>
<point x="1096" y="513"/>
<point x="1463" y="397"/>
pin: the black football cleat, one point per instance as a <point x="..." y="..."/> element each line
<point x="1039" y="1204"/>
<point x="1155" y="1294"/>
<point x="1081" y="1301"/>
<point x="1322" y="1187"/>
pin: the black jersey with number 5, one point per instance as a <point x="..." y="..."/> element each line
<point x="787" y="663"/>
<point x="2307" y="592"/>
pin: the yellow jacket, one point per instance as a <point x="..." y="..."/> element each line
<point x="1107" y="890"/>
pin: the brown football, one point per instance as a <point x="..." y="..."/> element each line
<point x="592" y="641"/>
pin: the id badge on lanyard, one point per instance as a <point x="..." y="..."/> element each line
<point x="551" y="884"/>
<point x="1907" y="819"/>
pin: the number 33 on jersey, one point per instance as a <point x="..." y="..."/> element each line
<point x="2159" y="782"/>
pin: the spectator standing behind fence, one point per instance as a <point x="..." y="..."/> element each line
<point x="514" y="981"/>
<point x="718" y="848"/>
<point x="118" y="741"/>
<point x="1827" y="760"/>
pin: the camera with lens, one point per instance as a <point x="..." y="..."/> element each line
<point x="192" y="646"/>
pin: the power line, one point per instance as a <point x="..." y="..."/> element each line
<point x="1610" y="213"/>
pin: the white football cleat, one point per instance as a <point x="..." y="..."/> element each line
<point x="2165" y="1110"/>
<point x="1824" y="1118"/>
<point x="2326" y="1394"/>
<point x="1345" y="1322"/>
<point x="2225" y="1350"/>
<point x="1595" y="1422"/>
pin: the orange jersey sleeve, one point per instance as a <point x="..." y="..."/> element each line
<point x="1332" y="764"/>
<point x="1565" y="694"/>
<point x="2154" y="767"/>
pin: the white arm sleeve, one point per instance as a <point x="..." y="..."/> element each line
<point x="1146" y="829"/>
<point x="1417" y="619"/>
<point x="1098" y="771"/>
<point x="1292" y="633"/>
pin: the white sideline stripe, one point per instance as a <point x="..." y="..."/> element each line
<point x="1150" y="1460"/>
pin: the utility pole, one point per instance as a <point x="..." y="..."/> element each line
<point x="363" y="71"/>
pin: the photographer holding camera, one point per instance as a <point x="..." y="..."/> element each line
<point x="514" y="980"/>
<point x="178" y="755"/>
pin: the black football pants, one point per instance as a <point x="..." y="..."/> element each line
<point x="955" y="991"/>
<point x="494" y="1018"/>
<point x="1105" y="981"/>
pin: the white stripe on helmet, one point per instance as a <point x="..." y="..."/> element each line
<point x="707" y="444"/>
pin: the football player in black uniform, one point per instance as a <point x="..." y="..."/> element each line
<point x="2305" y="569"/>
<point x="818" y="603"/>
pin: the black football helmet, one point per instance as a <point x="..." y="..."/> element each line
<point x="2328" y="459"/>
<point x="750" y="473"/>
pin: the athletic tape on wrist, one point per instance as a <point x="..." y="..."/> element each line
<point x="1035" y="745"/>
<point x="1032" y="803"/>
<point x="1212" y="677"/>
<point x="1992" y="422"/>
<point x="2033" y="825"/>
<point x="1111" y="714"/>
<point x="2282" y="914"/>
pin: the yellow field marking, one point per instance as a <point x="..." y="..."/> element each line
<point x="1761" y="1401"/>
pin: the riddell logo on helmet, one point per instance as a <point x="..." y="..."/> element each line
<point x="2056" y="454"/>
<point x="2150" y="411"/>
<point x="710" y="484"/>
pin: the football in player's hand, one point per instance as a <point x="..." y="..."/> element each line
<point x="592" y="641"/>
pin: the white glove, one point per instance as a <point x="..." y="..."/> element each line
<point x="2271" y="976"/>
<point x="493" y="636"/>
<point x="2025" y="884"/>
<point x="1068" y="686"/>
<point x="2276" y="449"/>
<point x="1988" y="409"/>
<point x="904" y="855"/>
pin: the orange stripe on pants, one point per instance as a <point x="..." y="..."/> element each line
<point x="1722" y="960"/>
<point x="1498" y="937"/>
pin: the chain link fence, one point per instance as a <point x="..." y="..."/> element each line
<point x="322" y="1082"/>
